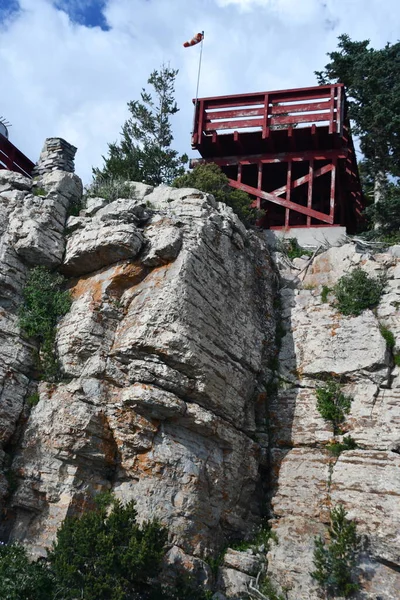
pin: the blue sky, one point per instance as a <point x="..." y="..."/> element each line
<point x="69" y="67"/>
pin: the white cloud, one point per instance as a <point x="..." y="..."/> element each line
<point x="60" y="78"/>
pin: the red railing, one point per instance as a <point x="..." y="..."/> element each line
<point x="13" y="159"/>
<point x="270" y="110"/>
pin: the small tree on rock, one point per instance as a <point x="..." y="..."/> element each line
<point x="145" y="153"/>
<point x="336" y="559"/>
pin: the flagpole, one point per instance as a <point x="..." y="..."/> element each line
<point x="198" y="82"/>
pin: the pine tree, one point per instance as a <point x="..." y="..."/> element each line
<point x="335" y="561"/>
<point x="106" y="555"/>
<point x="145" y="153"/>
<point x="372" y="81"/>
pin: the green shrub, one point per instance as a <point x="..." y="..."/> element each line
<point x="268" y="589"/>
<point x="336" y="448"/>
<point x="293" y="249"/>
<point x="263" y="536"/>
<point x="32" y="400"/>
<point x="325" y="293"/>
<point x="44" y="303"/>
<point x="335" y="560"/>
<point x="388" y="337"/>
<point x="396" y="359"/>
<point x="106" y="555"/>
<point x="38" y="191"/>
<point x="21" y="579"/>
<point x="102" y="555"/>
<point x="75" y="206"/>
<point x="357" y="291"/>
<point x="332" y="404"/>
<point x="110" y="188"/>
<point x="210" y="179"/>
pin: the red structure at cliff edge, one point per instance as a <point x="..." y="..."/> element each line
<point x="290" y="149"/>
<point x="10" y="157"/>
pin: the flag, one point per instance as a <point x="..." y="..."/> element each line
<point x="195" y="40"/>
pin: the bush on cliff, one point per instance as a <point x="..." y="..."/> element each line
<point x="332" y="404"/>
<point x="210" y="179"/>
<point x="335" y="559"/>
<point x="21" y="579"/>
<point x="44" y="303"/>
<point x="106" y="555"/>
<point x="102" y="555"/>
<point x="357" y="291"/>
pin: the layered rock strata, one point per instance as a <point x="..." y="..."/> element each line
<point x="163" y="353"/>
<point x="318" y="343"/>
<point x="167" y="396"/>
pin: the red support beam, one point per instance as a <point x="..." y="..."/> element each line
<point x="302" y="180"/>
<point x="310" y="189"/>
<point x="288" y="192"/>
<point x="13" y="159"/>
<point x="259" y="184"/>
<point x="265" y="126"/>
<point x="253" y="159"/>
<point x="286" y="204"/>
<point x="333" y="190"/>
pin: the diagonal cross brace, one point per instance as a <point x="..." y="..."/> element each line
<point x="303" y="180"/>
<point x="285" y="203"/>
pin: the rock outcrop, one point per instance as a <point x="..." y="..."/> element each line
<point x="163" y="353"/>
<point x="171" y="391"/>
<point x="319" y="342"/>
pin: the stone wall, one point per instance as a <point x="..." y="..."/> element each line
<point x="56" y="155"/>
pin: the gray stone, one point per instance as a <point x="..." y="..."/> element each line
<point x="165" y="241"/>
<point x="93" y="205"/>
<point x="242" y="561"/>
<point x="96" y="246"/>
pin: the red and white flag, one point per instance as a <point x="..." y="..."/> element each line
<point x="195" y="40"/>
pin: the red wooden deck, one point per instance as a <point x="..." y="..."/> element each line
<point x="289" y="149"/>
<point x="13" y="159"/>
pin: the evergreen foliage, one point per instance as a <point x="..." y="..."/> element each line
<point x="21" y="579"/>
<point x="293" y="249"/>
<point x="110" y="189"/>
<point x="357" y="291"/>
<point x="145" y="153"/>
<point x="269" y="591"/>
<point x="334" y="561"/>
<point x="106" y="555"/>
<point x="388" y="337"/>
<point x="336" y="448"/>
<point x="44" y="303"/>
<point x="209" y="178"/>
<point x="332" y="404"/>
<point x="385" y="215"/>
<point x="326" y="290"/>
<point x="372" y="80"/>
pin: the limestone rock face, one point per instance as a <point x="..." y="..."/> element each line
<point x="164" y="348"/>
<point x="173" y="394"/>
<point x="308" y="480"/>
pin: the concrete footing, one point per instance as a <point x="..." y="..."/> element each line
<point x="308" y="236"/>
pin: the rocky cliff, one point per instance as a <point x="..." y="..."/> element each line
<point x="171" y="393"/>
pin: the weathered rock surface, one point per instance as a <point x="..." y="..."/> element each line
<point x="169" y="397"/>
<point x="166" y="342"/>
<point x="308" y="480"/>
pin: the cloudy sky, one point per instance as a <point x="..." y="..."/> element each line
<point x="68" y="67"/>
